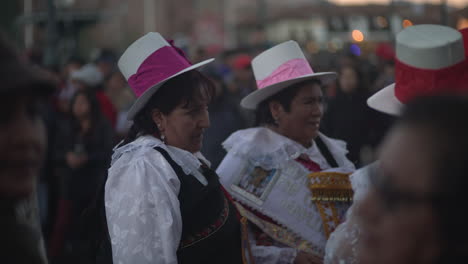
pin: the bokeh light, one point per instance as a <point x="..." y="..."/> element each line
<point x="357" y="35"/>
<point x="407" y="23"/>
<point x="355" y="49"/>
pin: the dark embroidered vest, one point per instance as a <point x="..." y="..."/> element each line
<point x="211" y="231"/>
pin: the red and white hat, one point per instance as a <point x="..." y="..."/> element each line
<point x="148" y="63"/>
<point x="430" y="60"/>
<point x="278" y="68"/>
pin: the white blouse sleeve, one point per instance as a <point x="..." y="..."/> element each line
<point x="273" y="255"/>
<point x="142" y="210"/>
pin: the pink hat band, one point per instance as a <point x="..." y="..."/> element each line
<point x="411" y="82"/>
<point x="152" y="71"/>
<point x="291" y="69"/>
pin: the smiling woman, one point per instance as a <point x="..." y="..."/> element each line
<point x="266" y="167"/>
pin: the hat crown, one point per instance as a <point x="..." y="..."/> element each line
<point x="268" y="61"/>
<point x="138" y="51"/>
<point x="430" y="46"/>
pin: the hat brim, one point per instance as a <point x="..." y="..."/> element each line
<point x="252" y="100"/>
<point x="20" y="78"/>
<point x="141" y="101"/>
<point x="385" y="101"/>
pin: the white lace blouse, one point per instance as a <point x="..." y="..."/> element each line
<point x="268" y="149"/>
<point x="342" y="246"/>
<point x="142" y="207"/>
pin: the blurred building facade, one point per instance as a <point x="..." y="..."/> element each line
<point x="82" y="25"/>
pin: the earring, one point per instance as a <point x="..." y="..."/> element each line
<point x="161" y="133"/>
<point x="275" y="121"/>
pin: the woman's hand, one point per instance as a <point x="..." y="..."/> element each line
<point x="307" y="258"/>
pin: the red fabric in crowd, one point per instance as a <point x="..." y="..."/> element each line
<point x="107" y="107"/>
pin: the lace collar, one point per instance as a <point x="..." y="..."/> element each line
<point x="190" y="163"/>
<point x="268" y="149"/>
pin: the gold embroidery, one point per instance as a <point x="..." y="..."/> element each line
<point x="329" y="188"/>
<point x="279" y="233"/>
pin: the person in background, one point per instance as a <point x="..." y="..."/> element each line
<point x="83" y="150"/>
<point x="121" y="96"/>
<point x="90" y="78"/>
<point x="106" y="63"/>
<point x="67" y="88"/>
<point x="413" y="212"/>
<point x="347" y="116"/>
<point x="22" y="151"/>
<point x="225" y="118"/>
<point x="266" y="167"/>
<point x="242" y="84"/>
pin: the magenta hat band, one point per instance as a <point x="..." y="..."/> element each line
<point x="152" y="72"/>
<point x="291" y="69"/>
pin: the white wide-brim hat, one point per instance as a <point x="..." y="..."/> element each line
<point x="89" y="74"/>
<point x="430" y="60"/>
<point x="148" y="63"/>
<point x="278" y="68"/>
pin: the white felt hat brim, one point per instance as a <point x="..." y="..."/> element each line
<point x="385" y="101"/>
<point x="252" y="100"/>
<point x="141" y="101"/>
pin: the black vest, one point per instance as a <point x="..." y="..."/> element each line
<point x="211" y="231"/>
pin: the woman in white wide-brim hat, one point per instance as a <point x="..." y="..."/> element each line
<point x="430" y="60"/>
<point x="163" y="203"/>
<point x="266" y="168"/>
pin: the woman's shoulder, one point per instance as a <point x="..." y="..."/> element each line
<point x="261" y="146"/>
<point x="140" y="150"/>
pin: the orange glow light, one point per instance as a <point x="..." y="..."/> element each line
<point x="407" y="23"/>
<point x="462" y="23"/>
<point x="357" y="35"/>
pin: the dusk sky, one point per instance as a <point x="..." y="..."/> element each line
<point x="455" y="3"/>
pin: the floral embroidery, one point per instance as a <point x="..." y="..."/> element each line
<point x="279" y="233"/>
<point x="209" y="230"/>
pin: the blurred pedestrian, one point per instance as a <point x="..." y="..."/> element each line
<point x="22" y="150"/>
<point x="83" y="150"/>
<point x="414" y="212"/>
<point x="121" y="96"/>
<point x="89" y="78"/>
<point x="347" y="116"/>
<point x="266" y="166"/>
<point x="421" y="69"/>
<point x="225" y="118"/>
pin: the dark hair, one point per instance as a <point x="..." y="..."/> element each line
<point x="361" y="84"/>
<point x="95" y="113"/>
<point x="263" y="114"/>
<point x="444" y="119"/>
<point x="187" y="89"/>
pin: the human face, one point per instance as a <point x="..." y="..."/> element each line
<point x="81" y="106"/>
<point x="22" y="145"/>
<point x="184" y="127"/>
<point x="348" y="80"/>
<point x="302" y="122"/>
<point x="396" y="216"/>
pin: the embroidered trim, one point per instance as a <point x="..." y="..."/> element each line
<point x="279" y="233"/>
<point x="330" y="187"/>
<point x="209" y="230"/>
<point x="329" y="216"/>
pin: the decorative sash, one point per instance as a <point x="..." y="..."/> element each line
<point x="285" y="196"/>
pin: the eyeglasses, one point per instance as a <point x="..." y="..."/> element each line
<point x="393" y="198"/>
